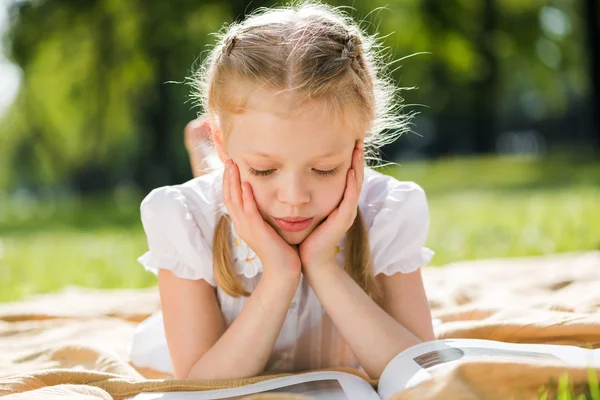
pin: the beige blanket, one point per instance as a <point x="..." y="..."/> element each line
<point x="74" y="343"/>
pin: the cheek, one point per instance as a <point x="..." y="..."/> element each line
<point x="262" y="190"/>
<point x="330" y="194"/>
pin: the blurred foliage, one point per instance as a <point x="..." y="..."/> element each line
<point x="94" y="87"/>
<point x="98" y="105"/>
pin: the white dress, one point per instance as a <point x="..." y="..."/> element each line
<point x="179" y="222"/>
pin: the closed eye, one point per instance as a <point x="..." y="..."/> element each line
<point x="258" y="172"/>
<point x="267" y="172"/>
<point x="326" y="173"/>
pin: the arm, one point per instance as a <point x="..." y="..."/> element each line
<point x="374" y="334"/>
<point x="405" y="300"/>
<point x="200" y="346"/>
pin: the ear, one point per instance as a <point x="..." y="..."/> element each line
<point x="217" y="137"/>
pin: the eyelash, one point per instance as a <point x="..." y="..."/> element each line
<point x="268" y="172"/>
<point x="326" y="173"/>
<point x="257" y="172"/>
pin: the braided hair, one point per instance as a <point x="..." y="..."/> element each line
<point x="314" y="52"/>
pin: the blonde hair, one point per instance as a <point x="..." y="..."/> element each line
<point x="311" y="52"/>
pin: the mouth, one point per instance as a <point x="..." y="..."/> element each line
<point x="293" y="224"/>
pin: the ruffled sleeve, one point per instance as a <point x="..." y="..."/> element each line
<point x="399" y="226"/>
<point x="175" y="240"/>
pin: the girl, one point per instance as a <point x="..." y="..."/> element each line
<point x="291" y="255"/>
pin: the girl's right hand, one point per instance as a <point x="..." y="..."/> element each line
<point x="276" y="256"/>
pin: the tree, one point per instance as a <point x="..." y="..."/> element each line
<point x="592" y="18"/>
<point x="484" y="88"/>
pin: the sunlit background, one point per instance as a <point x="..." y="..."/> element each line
<point x="93" y="105"/>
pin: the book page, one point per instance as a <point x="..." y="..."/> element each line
<point x="329" y="385"/>
<point x="418" y="363"/>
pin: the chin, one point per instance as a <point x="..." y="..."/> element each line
<point x="294" y="238"/>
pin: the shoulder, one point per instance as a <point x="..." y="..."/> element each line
<point x="396" y="215"/>
<point x="179" y="222"/>
<point x="384" y="197"/>
<point x="198" y="200"/>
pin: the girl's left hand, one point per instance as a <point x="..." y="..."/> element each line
<point x="320" y="246"/>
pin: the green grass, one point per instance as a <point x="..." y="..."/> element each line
<point x="564" y="389"/>
<point x="480" y="208"/>
<point x="88" y="242"/>
<point x="508" y="207"/>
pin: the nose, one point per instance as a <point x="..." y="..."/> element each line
<point x="293" y="190"/>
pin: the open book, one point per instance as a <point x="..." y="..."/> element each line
<point x="410" y="367"/>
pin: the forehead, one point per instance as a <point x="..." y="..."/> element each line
<point x="304" y="132"/>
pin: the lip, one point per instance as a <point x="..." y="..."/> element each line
<point x="293" y="224"/>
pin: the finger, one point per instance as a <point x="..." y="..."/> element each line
<point x="350" y="199"/>
<point x="235" y="187"/>
<point x="249" y="205"/>
<point x="226" y="182"/>
<point x="252" y="215"/>
<point x="360" y="167"/>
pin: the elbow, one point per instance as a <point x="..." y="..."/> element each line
<point x="424" y="333"/>
<point x="427" y="337"/>
<point x="182" y="374"/>
<point x="195" y="375"/>
<point x="201" y="374"/>
<point x="211" y="376"/>
<point x="189" y="373"/>
<point x="217" y="374"/>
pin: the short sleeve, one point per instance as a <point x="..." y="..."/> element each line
<point x="175" y="241"/>
<point x="399" y="229"/>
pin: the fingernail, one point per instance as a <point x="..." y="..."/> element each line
<point x="243" y="188"/>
